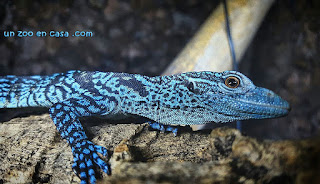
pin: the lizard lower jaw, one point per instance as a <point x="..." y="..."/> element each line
<point x="261" y="110"/>
<point x="273" y="111"/>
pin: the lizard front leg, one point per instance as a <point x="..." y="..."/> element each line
<point x="65" y="116"/>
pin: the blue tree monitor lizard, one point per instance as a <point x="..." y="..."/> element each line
<point x="182" y="99"/>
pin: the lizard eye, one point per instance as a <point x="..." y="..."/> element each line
<point x="232" y="82"/>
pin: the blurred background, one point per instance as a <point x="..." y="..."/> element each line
<point x="144" y="36"/>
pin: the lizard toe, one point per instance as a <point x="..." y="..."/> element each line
<point x="102" y="164"/>
<point x="164" y="128"/>
<point x="174" y="130"/>
<point x="102" y="150"/>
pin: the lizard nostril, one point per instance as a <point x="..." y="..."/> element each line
<point x="270" y="94"/>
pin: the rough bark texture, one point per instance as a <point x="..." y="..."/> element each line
<point x="31" y="151"/>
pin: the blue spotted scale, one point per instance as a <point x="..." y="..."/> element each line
<point x="182" y="99"/>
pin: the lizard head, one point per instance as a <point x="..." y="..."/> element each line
<point x="222" y="97"/>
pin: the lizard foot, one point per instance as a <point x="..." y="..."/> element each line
<point x="164" y="128"/>
<point x="86" y="160"/>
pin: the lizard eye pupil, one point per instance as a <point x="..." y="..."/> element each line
<point x="232" y="82"/>
<point x="190" y="86"/>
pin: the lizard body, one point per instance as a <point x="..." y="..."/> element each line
<point x="182" y="99"/>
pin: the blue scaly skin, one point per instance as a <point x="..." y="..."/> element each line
<point x="183" y="99"/>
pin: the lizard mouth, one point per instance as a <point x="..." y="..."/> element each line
<point x="279" y="108"/>
<point x="262" y="103"/>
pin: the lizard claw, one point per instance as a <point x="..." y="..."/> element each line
<point x="86" y="160"/>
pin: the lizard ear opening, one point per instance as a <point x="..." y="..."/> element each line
<point x="232" y="82"/>
<point x="190" y="87"/>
